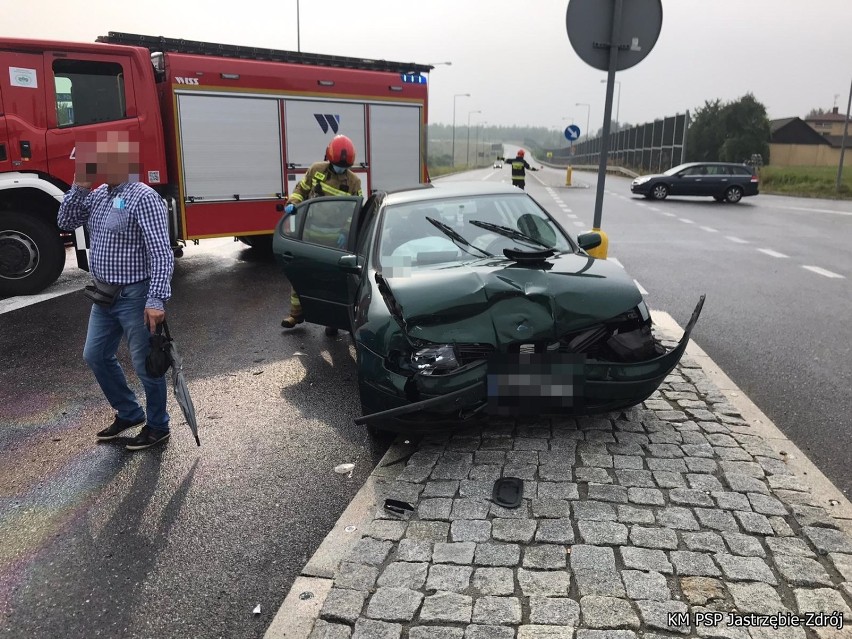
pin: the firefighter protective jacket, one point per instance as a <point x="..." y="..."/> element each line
<point x="321" y="180"/>
<point x="519" y="166"/>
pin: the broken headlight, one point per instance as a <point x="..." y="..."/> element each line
<point x="435" y="360"/>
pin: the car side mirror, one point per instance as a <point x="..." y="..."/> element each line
<point x="349" y="264"/>
<point x="589" y="240"/>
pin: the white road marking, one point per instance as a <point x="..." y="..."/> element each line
<point x="685" y="220"/>
<point x="667" y="214"/>
<point x="580" y="224"/>
<point x="615" y="261"/>
<point x="772" y="253"/>
<point x="709" y="229"/>
<point x="736" y="239"/>
<point x="573" y="217"/>
<point x="822" y="271"/>
<point x="807" y="210"/>
<point x="641" y="289"/>
<point x="641" y="204"/>
<point x="655" y="209"/>
<point x="489" y="175"/>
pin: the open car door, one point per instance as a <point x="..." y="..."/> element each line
<point x="310" y="244"/>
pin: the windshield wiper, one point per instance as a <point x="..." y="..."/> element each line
<point x="510" y="233"/>
<point x="458" y="239"/>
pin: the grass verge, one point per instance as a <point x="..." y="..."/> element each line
<point x="806" y="181"/>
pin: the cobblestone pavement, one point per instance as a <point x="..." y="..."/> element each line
<point x="672" y="507"/>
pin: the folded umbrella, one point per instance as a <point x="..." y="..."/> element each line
<point x="182" y="392"/>
<point x="164" y="354"/>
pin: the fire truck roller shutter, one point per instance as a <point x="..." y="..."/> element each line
<point x="395" y="146"/>
<point x="312" y="124"/>
<point x="230" y="146"/>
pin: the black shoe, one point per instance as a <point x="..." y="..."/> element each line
<point x="116" y="428"/>
<point x="147" y="438"/>
<point x="330" y="331"/>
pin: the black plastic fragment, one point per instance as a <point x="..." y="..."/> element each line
<point x="508" y="492"/>
<point x="398" y="507"/>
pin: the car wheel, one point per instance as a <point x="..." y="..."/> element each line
<point x="734" y="194"/>
<point x="660" y="191"/>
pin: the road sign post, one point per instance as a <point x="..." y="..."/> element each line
<point x="611" y="35"/>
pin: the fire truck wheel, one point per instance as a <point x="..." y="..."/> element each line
<point x="32" y="254"/>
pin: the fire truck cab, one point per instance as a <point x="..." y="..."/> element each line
<point x="225" y="133"/>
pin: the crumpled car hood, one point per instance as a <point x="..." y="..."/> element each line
<point x="500" y="302"/>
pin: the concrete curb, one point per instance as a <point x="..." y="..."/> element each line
<point x="302" y="605"/>
<point x="823" y="491"/>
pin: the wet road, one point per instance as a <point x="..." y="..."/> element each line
<point x="181" y="541"/>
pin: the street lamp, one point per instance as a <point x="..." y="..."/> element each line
<point x="618" y="105"/>
<point x="455" y="97"/>
<point x="433" y="64"/>
<point x="476" y="144"/>
<point x="468" y="135"/>
<point x="588" y="112"/>
<point x="298" y="34"/>
<point x="617" y="122"/>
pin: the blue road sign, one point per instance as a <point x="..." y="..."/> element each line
<point x="572" y="132"/>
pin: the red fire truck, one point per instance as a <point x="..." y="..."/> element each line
<point x="225" y="133"/>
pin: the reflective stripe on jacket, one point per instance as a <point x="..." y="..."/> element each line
<point x="519" y="166"/>
<point x="321" y="180"/>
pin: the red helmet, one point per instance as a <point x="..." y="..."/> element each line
<point x="341" y="151"/>
<point x="521" y="153"/>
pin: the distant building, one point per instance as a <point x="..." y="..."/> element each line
<point x="828" y="124"/>
<point x="796" y="142"/>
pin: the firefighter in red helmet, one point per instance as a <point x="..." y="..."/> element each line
<point x="519" y="169"/>
<point x="331" y="177"/>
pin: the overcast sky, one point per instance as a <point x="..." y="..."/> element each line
<point x="513" y="57"/>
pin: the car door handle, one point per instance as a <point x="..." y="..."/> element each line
<point x="286" y="256"/>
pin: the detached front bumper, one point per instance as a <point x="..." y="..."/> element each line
<point x="479" y="389"/>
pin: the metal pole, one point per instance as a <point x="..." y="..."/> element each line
<point x="618" y="107"/>
<point x="298" y="33"/>
<point x="843" y="142"/>
<point x="588" y="113"/>
<point x="610" y="89"/>
<point x="455" y="97"/>
<point x="467" y="152"/>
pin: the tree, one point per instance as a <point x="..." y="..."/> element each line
<point x="729" y="132"/>
<point x="706" y="135"/>
<point x="746" y="130"/>
<point x="815" y="113"/>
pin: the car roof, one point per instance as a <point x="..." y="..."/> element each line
<point x="688" y="164"/>
<point x="441" y="190"/>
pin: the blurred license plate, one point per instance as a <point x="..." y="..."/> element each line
<point x="534" y="383"/>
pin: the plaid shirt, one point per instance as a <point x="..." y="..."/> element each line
<point x="129" y="234"/>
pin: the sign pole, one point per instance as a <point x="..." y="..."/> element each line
<point x="611" y="36"/>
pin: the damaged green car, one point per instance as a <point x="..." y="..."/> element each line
<point x="469" y="299"/>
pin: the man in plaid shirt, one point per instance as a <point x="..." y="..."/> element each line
<point x="130" y="250"/>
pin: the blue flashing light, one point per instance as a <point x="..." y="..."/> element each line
<point x="413" y="78"/>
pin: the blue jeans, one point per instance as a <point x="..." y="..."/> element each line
<point x="106" y="327"/>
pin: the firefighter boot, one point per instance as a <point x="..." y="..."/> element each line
<point x="291" y="320"/>
<point x="295" y="316"/>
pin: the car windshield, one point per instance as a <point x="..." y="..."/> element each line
<point x="409" y="239"/>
